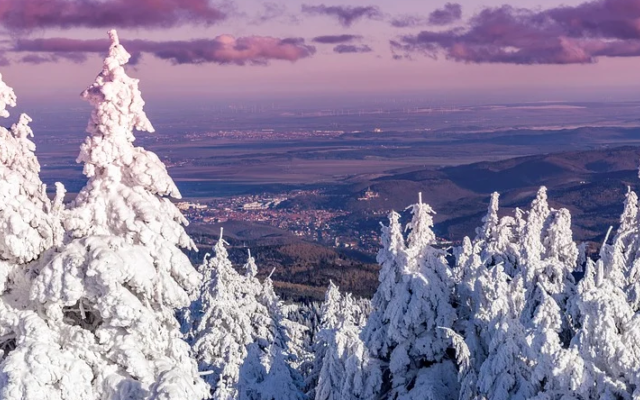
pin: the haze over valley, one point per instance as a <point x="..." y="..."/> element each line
<point x="319" y="163"/>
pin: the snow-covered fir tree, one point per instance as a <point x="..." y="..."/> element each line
<point x="343" y="368"/>
<point x="514" y="284"/>
<point x="622" y="256"/>
<point x="237" y="335"/>
<point x="605" y="337"/>
<point x="391" y="259"/>
<point x="549" y="257"/>
<point x="415" y="345"/>
<point x="281" y="353"/>
<point x="30" y="225"/>
<point x="497" y="238"/>
<point x="104" y="325"/>
<point x="29" y="221"/>
<point x="505" y="372"/>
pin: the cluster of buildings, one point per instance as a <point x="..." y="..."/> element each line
<point x="324" y="226"/>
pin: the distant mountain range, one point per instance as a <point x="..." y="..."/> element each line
<point x="591" y="184"/>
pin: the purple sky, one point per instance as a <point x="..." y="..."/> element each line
<point x="202" y="49"/>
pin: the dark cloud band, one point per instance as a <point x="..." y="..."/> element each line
<point x="346" y="15"/>
<point x="450" y="13"/>
<point x="31" y="14"/>
<point x="563" y="35"/>
<point x="349" y="48"/>
<point x="335" y="39"/>
<point x="223" y="49"/>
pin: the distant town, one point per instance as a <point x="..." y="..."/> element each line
<point x="329" y="227"/>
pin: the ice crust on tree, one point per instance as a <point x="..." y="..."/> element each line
<point x="100" y="317"/>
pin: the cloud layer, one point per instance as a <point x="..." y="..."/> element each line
<point x="450" y="13"/>
<point x="223" y="49"/>
<point x="349" y="48"/>
<point x="335" y="39"/>
<point x="20" y="15"/>
<point x="563" y="35"/>
<point x="346" y="15"/>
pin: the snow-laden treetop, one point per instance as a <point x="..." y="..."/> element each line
<point x="118" y="110"/>
<point x="127" y="188"/>
<point x="7" y="98"/>
<point x="118" y="105"/>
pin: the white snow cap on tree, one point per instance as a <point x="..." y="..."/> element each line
<point x="104" y="325"/>
<point x="221" y="323"/>
<point x="250" y="267"/>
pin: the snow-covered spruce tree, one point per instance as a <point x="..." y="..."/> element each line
<point x="469" y="272"/>
<point x="105" y="326"/>
<point x="221" y="321"/>
<point x="391" y="258"/>
<point x="29" y="221"/>
<point x="489" y="306"/>
<point x="480" y="275"/>
<point x="549" y="256"/>
<point x="519" y="314"/>
<point x="497" y="238"/>
<point x="280" y="354"/>
<point x="342" y="368"/>
<point x="505" y="373"/>
<point x="238" y="340"/>
<point x="607" y="338"/>
<point x="622" y="256"/>
<point x="417" y="346"/>
<point x="30" y="225"/>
